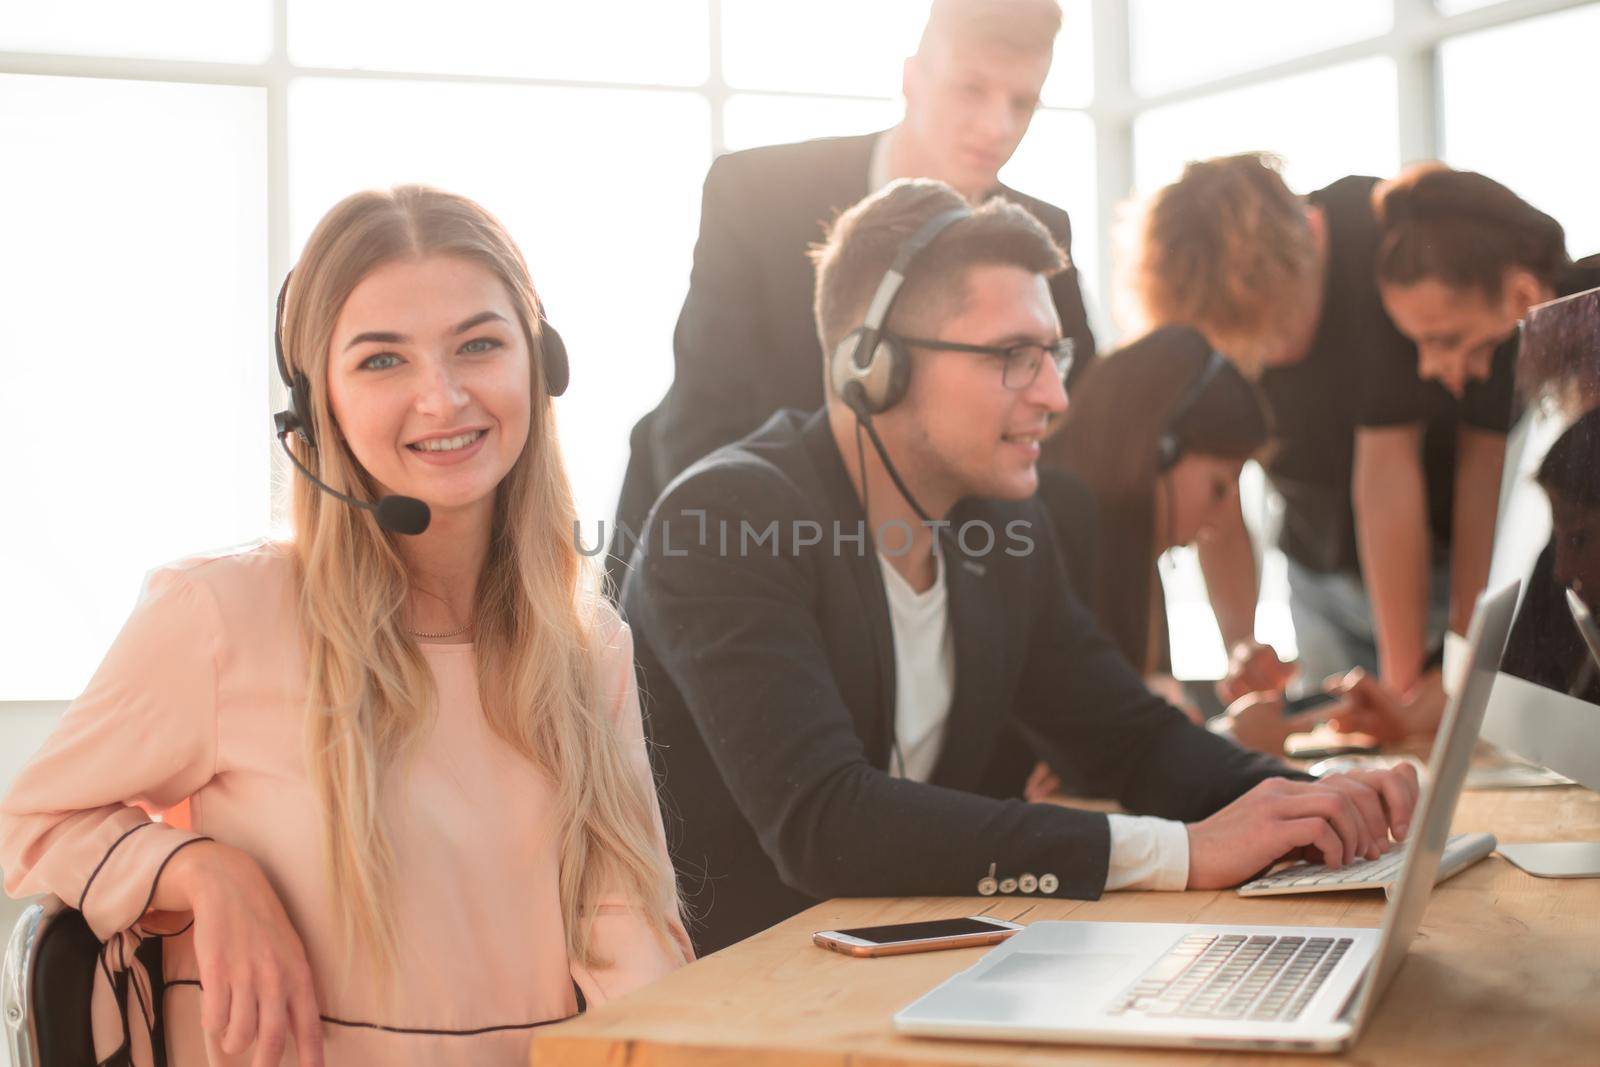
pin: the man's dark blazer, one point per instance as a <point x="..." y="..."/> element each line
<point x="767" y="674"/>
<point x="746" y="341"/>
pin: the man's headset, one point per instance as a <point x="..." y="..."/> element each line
<point x="397" y="514"/>
<point x="869" y="371"/>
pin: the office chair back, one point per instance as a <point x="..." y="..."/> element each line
<point x="47" y="984"/>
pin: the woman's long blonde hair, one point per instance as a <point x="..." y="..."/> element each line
<point x="370" y="692"/>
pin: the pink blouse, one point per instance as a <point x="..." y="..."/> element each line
<point x="201" y="698"/>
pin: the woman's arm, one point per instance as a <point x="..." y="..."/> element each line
<point x="1390" y="497"/>
<point x="1480" y="459"/>
<point x="623" y="937"/>
<point x="1228" y="561"/>
<point x="141" y="738"/>
<point x="77" y="824"/>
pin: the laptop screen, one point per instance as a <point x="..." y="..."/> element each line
<point x="1447" y="770"/>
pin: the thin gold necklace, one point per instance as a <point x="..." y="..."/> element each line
<point x="452" y="633"/>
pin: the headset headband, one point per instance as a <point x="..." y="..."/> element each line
<point x="1169" y="448"/>
<point x="894" y="278"/>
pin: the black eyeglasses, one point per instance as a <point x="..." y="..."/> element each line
<point x="1020" y="362"/>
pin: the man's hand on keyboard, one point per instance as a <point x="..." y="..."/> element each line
<point x="1334" y="820"/>
<point x="1386" y="799"/>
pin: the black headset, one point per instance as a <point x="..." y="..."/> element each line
<point x="1170" y="445"/>
<point x="296" y="418"/>
<point x="868" y="370"/>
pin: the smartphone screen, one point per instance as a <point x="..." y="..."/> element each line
<point x="1308" y="702"/>
<point x="899" y="932"/>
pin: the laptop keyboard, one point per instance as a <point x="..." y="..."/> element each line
<point x="1379" y="873"/>
<point x="1234" y="976"/>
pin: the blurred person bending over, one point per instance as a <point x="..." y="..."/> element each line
<point x="1385" y="478"/>
<point x="1159" y="431"/>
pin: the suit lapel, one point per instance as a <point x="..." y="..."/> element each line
<point x="979" y="628"/>
<point x="866" y="579"/>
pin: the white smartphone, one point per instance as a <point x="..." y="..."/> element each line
<point x="931" y="936"/>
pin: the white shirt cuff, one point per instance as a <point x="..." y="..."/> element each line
<point x="1147" y="853"/>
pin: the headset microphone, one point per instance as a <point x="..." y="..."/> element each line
<point x="853" y="400"/>
<point x="397" y="514"/>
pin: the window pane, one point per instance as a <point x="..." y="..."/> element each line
<point x="825" y="46"/>
<point x="238" y="31"/>
<point x="607" y="223"/>
<point x="1522" y="123"/>
<point x="135" y="343"/>
<point x="662" y="42"/>
<point x="847" y="47"/>
<point x="1071" y="80"/>
<point x="1326" y="124"/>
<point x="1175" y="42"/>
<point x="1055" y="162"/>
<point x="749" y="120"/>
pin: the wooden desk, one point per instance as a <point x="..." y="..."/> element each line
<point x="1505" y="969"/>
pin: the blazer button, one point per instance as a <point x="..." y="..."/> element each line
<point x="988" y="887"/>
<point x="1027" y="883"/>
<point x="1049" y="883"/>
<point x="1009" y="885"/>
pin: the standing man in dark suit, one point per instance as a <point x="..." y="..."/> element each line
<point x="826" y="684"/>
<point x="745" y="344"/>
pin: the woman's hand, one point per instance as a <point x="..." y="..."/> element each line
<point x="1257" y="721"/>
<point x="1370" y="707"/>
<point x="1254" y="668"/>
<point x="1042" y="784"/>
<point x="255" y="983"/>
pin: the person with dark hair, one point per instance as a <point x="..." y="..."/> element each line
<point x="1461" y="259"/>
<point x="745" y="345"/>
<point x="832" y="637"/>
<point x="1159" y="430"/>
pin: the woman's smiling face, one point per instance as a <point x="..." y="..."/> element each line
<point x="429" y="380"/>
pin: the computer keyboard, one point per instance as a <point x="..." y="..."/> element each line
<point x="1234" y="976"/>
<point x="1460" y="852"/>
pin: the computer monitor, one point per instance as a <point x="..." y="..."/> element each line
<point x="1545" y="705"/>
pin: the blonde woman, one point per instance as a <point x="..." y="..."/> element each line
<point x="420" y="819"/>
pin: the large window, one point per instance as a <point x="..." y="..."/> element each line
<point x="133" y="259"/>
<point x="165" y="162"/>
<point x="1518" y="106"/>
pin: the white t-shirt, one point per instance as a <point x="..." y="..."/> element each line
<point x="924" y="670"/>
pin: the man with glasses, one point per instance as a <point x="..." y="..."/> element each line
<point x="745" y="346"/>
<point x="831" y="637"/>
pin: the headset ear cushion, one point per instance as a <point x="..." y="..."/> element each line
<point x="898" y="374"/>
<point x="300" y="407"/>
<point x="1168" y="450"/>
<point x="553" y="354"/>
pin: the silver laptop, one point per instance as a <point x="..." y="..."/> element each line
<point x="1294" y="988"/>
